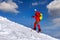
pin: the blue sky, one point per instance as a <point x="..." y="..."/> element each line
<point x="21" y="11"/>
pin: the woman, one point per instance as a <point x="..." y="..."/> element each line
<point x="37" y="20"/>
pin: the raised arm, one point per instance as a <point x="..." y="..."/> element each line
<point x="33" y="16"/>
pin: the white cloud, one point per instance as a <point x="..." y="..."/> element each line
<point x="56" y="22"/>
<point x="9" y="6"/>
<point x="20" y="1"/>
<point x="35" y="3"/>
<point x="54" y="8"/>
<point x="54" y="12"/>
<point x="38" y="3"/>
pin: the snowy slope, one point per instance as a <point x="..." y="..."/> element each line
<point x="13" y="31"/>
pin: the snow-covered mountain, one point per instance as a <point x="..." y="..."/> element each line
<point x="13" y="31"/>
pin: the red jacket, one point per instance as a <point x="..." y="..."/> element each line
<point x="37" y="16"/>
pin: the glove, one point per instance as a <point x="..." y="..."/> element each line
<point x="32" y="16"/>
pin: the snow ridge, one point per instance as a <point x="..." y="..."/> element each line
<point x="13" y="31"/>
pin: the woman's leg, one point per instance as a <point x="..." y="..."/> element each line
<point x="39" y="28"/>
<point x="34" y="26"/>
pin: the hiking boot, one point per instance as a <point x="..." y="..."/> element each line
<point x="39" y="30"/>
<point x="34" y="28"/>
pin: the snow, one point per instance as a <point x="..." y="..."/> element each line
<point x="13" y="31"/>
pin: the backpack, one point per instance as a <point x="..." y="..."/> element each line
<point x="41" y="16"/>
